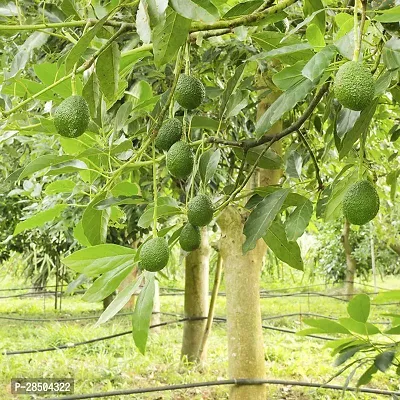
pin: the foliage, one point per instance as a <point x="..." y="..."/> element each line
<point x="361" y="337"/>
<point x="268" y="105"/>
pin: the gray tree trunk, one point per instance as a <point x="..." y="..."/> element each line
<point x="196" y="298"/>
<point x="242" y="279"/>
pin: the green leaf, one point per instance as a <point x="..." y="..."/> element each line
<point x="359" y="128"/>
<point x="97" y="260"/>
<point x="69" y="8"/>
<point x="261" y="218"/>
<point x="131" y="57"/>
<point x="359" y="327"/>
<point x="269" y="160"/>
<point x="333" y="208"/>
<point x="41" y="163"/>
<point x="120" y="300"/>
<point x="359" y="307"/>
<point x="283" y="104"/>
<point x="288" y="252"/>
<point x="107" y="71"/>
<point x="91" y="93"/>
<point x="197" y="10"/>
<point x="315" y="37"/>
<point x="314" y="69"/>
<point x="390" y="15"/>
<point x="393" y="331"/>
<point x="156" y="10"/>
<point x="298" y="220"/>
<point x="289" y="76"/>
<point x="116" y="201"/>
<point x="367" y="375"/>
<point x="345" y="121"/>
<point x="208" y="164"/>
<point x="200" y="122"/>
<point x="384" y="360"/>
<point x="383" y="82"/>
<point x="40" y="218"/>
<point x="67" y="167"/>
<point x="146" y="219"/>
<point x="312" y="6"/>
<point x="326" y="325"/>
<point x="243" y="9"/>
<point x="79" y="235"/>
<point x="169" y="37"/>
<point x="24" y="52"/>
<point x="284" y="50"/>
<point x="95" y="222"/>
<point x="343" y="357"/>
<point x="142" y="314"/>
<point x="106" y="284"/>
<point x="60" y="186"/>
<point x="391" y="54"/>
<point x="125" y="188"/>
<point x="83" y="43"/>
<point x="231" y="86"/>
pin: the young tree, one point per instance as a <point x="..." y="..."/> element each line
<point x="154" y="104"/>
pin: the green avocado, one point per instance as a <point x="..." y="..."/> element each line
<point x="169" y="133"/>
<point x="354" y="86"/>
<point x="361" y="203"/>
<point x="180" y="160"/>
<point x="189" y="92"/>
<point x="200" y="210"/>
<point x="154" y="254"/>
<point x="190" y="237"/>
<point x="72" y="117"/>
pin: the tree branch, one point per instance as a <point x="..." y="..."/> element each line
<point x="250" y="143"/>
<point x="244" y="20"/>
<point x="314" y="160"/>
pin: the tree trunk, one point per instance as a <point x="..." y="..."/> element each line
<point x="350" y="261"/>
<point x="242" y="279"/>
<point x="196" y="298"/>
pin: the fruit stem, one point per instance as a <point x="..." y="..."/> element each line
<point x="154" y="190"/>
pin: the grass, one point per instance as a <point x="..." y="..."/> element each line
<point x="116" y="364"/>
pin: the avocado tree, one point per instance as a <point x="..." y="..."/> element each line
<point x="252" y="113"/>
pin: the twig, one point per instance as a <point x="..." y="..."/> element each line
<point x="251" y="143"/>
<point x="316" y="166"/>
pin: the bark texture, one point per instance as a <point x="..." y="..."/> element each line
<point x="351" y="263"/>
<point x="196" y="298"/>
<point x="242" y="279"/>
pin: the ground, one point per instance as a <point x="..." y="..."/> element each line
<point x="116" y="364"/>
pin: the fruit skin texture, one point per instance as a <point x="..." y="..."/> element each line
<point x="72" y="117"/>
<point x="180" y="160"/>
<point x="354" y="86"/>
<point x="189" y="92"/>
<point x="169" y="133"/>
<point x="200" y="210"/>
<point x="361" y="203"/>
<point x="190" y="237"/>
<point x="154" y="254"/>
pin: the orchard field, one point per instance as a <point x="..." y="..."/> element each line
<point x="199" y="198"/>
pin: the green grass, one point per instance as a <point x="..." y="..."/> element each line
<point x="116" y="364"/>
